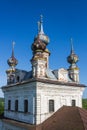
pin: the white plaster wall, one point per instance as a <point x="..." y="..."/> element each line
<point x="20" y="93"/>
<point x="62" y="95"/>
<point x="38" y="95"/>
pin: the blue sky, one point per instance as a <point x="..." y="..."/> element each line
<point x="63" y="19"/>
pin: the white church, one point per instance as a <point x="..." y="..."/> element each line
<point x="34" y="96"/>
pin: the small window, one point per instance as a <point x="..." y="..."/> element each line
<point x="51" y="105"/>
<point x="18" y="78"/>
<point x="16" y="105"/>
<point x="25" y="106"/>
<point x="73" y="103"/>
<point x="9" y="104"/>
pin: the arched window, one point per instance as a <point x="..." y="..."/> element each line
<point x="16" y="105"/>
<point x="73" y="103"/>
<point x="25" y="106"/>
<point x="51" y="105"/>
<point x="9" y="104"/>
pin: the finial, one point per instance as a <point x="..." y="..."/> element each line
<point x="13" y="43"/>
<point x="41" y="35"/>
<point x="72" y="49"/>
<point x="41" y="25"/>
<point x="38" y="26"/>
<point x="41" y="18"/>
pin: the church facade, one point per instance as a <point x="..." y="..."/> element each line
<point x="34" y="96"/>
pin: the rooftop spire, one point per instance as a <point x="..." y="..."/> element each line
<point x="40" y="25"/>
<point x="13" y="43"/>
<point x="72" y="48"/>
<point x="41" y="35"/>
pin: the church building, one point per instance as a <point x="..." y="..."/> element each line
<point x="31" y="97"/>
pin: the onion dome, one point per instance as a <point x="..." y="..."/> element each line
<point x="73" y="58"/>
<point x="12" y="61"/>
<point x="44" y="38"/>
<point x="38" y="45"/>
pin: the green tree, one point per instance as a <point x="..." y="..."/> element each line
<point x="84" y="103"/>
<point x="1" y="105"/>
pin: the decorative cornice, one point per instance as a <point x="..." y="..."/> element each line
<point x="45" y="81"/>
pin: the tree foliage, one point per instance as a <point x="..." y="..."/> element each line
<point x="1" y="105"/>
<point x="84" y="103"/>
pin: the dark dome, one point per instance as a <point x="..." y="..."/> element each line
<point x="38" y="45"/>
<point x="73" y="58"/>
<point x="12" y="61"/>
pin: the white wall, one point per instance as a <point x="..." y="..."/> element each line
<point x="20" y="93"/>
<point x="62" y="95"/>
<point x="38" y="95"/>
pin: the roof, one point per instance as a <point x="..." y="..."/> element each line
<point x="45" y="80"/>
<point x="66" y="118"/>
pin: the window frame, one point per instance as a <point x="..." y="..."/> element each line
<point x="18" y="78"/>
<point x="16" y="105"/>
<point x="51" y="105"/>
<point x="9" y="105"/>
<point x="73" y="102"/>
<point x="25" y="106"/>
